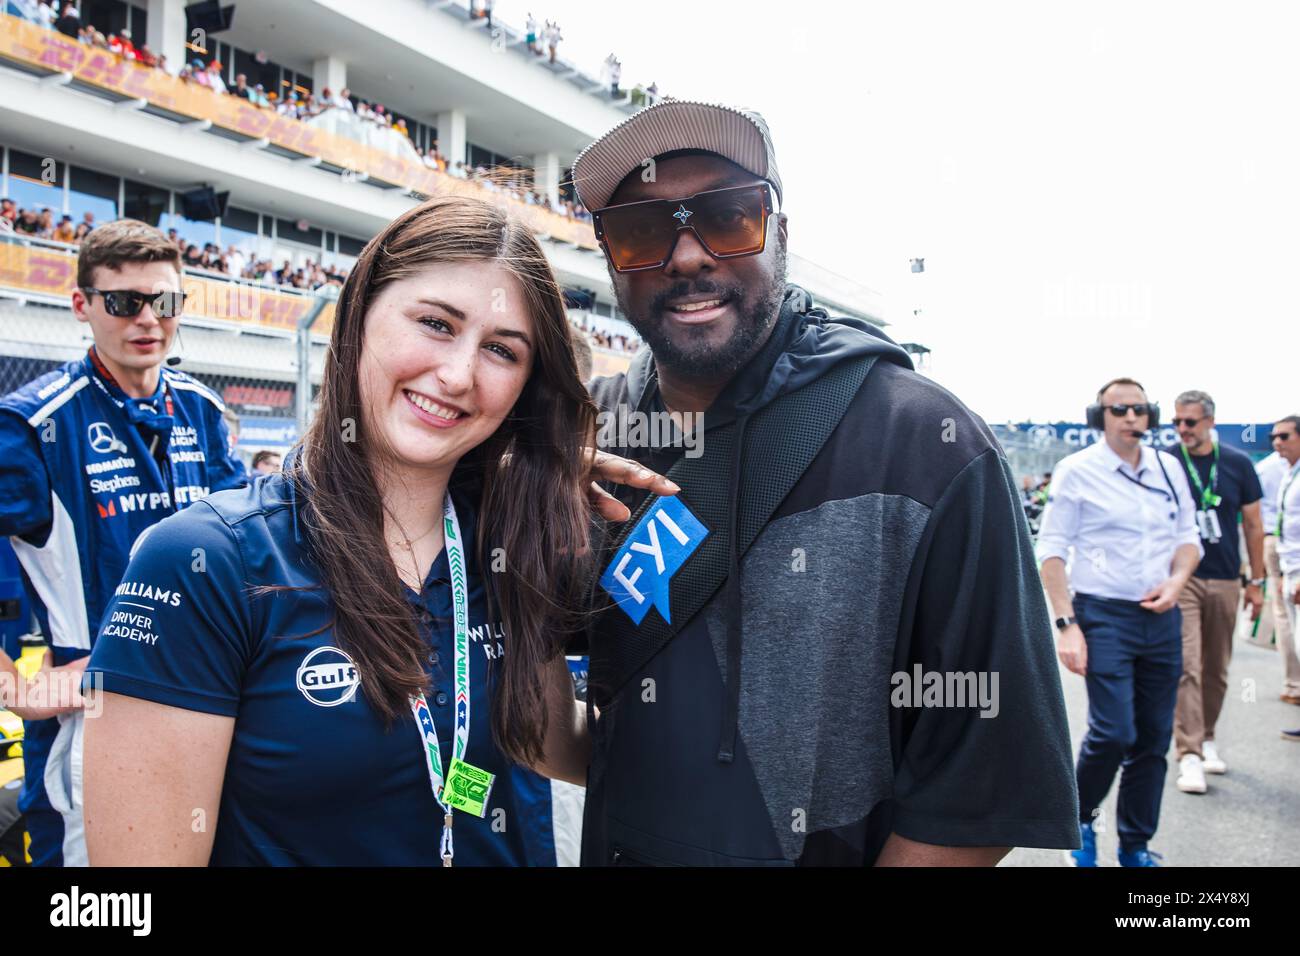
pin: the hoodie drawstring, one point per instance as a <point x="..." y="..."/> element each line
<point x="735" y="628"/>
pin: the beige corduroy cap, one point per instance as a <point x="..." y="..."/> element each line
<point x="740" y="135"/>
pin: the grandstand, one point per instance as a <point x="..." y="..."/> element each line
<point x="347" y="114"/>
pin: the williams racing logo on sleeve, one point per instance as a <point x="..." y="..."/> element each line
<point x="643" y="568"/>
<point x="328" y="677"/>
<point x="132" y="619"/>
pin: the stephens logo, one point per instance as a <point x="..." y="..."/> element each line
<point x="328" y="677"/>
<point x="102" y="440"/>
<point x="102" y="486"/>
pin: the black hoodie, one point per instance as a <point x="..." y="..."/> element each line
<point x="779" y="725"/>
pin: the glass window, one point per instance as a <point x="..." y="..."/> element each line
<point x="140" y="25"/>
<point x="296" y="255"/>
<point x="239" y="229"/>
<point x="108" y="16"/>
<point x="349" y="246"/>
<point x="28" y="185"/>
<point x="268" y="73"/>
<point x="93" y="192"/>
<point x="242" y="219"/>
<point x="291" y="82"/>
<point x="287" y="229"/>
<point x="192" y="231"/>
<point x="339" y="261"/>
<point x="144" y="202"/>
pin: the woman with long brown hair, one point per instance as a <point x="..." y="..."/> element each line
<point x="348" y="662"/>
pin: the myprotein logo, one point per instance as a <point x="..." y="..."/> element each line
<point x="102" y="440"/>
<point x="328" y="677"/>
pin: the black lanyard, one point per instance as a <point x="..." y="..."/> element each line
<point x="1170" y="494"/>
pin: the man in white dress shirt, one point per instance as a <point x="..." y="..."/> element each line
<point x="1286" y="440"/>
<point x="1272" y="471"/>
<point x="1122" y="515"/>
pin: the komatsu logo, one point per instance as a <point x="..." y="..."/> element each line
<point x="116" y="464"/>
<point x="328" y="677"/>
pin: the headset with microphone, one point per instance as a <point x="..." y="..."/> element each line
<point x="1095" y="414"/>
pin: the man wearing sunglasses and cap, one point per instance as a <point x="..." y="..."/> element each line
<point x="92" y="454"/>
<point x="1121" y="514"/>
<point x="784" y="657"/>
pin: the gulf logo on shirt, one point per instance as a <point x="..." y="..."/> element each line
<point x="328" y="677"/>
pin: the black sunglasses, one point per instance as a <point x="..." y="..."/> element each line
<point x="1281" y="436"/>
<point x="127" y="303"/>
<point x="1189" y="422"/>
<point x="1119" y="411"/>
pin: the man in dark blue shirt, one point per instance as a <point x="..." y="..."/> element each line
<point x="1224" y="486"/>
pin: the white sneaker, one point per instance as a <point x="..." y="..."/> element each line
<point x="1213" y="762"/>
<point x="1191" y="775"/>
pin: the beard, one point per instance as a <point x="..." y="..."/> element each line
<point x="690" y="354"/>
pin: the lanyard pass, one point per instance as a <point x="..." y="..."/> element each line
<point x="466" y="788"/>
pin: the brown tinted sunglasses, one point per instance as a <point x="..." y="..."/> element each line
<point x="729" y="223"/>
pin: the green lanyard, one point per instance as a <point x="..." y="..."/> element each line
<point x="465" y="786"/>
<point x="1208" y="498"/>
<point x="1281" y="500"/>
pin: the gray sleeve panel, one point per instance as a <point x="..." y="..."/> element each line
<point x="820" y="626"/>
<point x="1000" y="775"/>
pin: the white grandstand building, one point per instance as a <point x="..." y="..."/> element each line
<point x="86" y="130"/>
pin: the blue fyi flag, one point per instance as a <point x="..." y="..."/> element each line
<point x="658" y="546"/>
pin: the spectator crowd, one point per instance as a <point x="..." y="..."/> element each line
<point x="511" y="182"/>
<point x="234" y="262"/>
<point x="605" y="340"/>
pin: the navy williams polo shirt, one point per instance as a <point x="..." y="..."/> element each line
<point x="313" y="778"/>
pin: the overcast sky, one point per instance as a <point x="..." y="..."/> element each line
<point x="1098" y="190"/>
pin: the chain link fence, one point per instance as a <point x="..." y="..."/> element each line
<point x="1032" y="452"/>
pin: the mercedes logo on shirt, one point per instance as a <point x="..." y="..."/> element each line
<point x="102" y="439"/>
